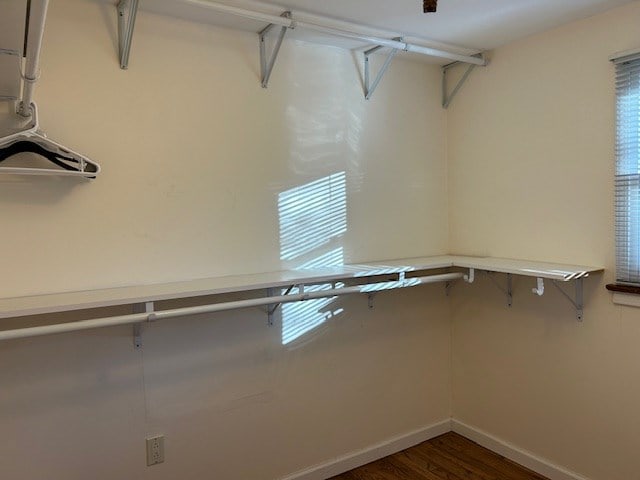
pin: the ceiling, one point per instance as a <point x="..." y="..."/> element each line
<point x="474" y="25"/>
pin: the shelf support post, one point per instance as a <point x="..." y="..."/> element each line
<point x="447" y="288"/>
<point x="508" y="291"/>
<point x="578" y="302"/>
<point x="266" y="65"/>
<point x="369" y="87"/>
<point x="448" y="97"/>
<point x="127" y="10"/>
<point x="146" y="307"/>
<point x="272" y="309"/>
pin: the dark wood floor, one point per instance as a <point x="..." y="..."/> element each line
<point x="447" y="457"/>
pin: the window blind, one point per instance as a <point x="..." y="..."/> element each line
<point x="627" y="180"/>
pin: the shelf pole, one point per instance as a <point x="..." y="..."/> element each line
<point x="318" y="27"/>
<point x="217" y="307"/>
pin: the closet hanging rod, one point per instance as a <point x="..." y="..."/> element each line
<point x="293" y="23"/>
<point x="220" y="307"/>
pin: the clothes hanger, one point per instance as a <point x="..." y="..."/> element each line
<point x="34" y="140"/>
<point x="30" y="139"/>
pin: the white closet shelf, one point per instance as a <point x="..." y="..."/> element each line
<point x="140" y="294"/>
<point x="551" y="271"/>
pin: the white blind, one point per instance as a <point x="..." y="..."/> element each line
<point x="627" y="183"/>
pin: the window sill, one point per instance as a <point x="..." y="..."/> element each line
<point x="625" y="294"/>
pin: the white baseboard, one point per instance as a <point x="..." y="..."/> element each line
<point x="507" y="450"/>
<point x="370" y="454"/>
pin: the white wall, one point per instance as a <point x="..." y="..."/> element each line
<point x="194" y="155"/>
<point x="530" y="142"/>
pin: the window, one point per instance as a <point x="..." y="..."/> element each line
<point x="627" y="180"/>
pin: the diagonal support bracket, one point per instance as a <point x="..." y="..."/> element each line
<point x="578" y="301"/>
<point x="446" y="96"/>
<point x="508" y="291"/>
<point x="369" y="87"/>
<point x="127" y="10"/>
<point x="272" y="309"/>
<point x="267" y="64"/>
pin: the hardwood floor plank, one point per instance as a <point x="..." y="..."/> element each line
<point x="451" y="464"/>
<point x="447" y="457"/>
<point x="473" y="452"/>
<point x="430" y="470"/>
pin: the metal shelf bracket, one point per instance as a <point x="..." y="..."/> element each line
<point x="272" y="309"/>
<point x="447" y="288"/>
<point x="578" y="302"/>
<point x="508" y="291"/>
<point x="448" y="97"/>
<point x="127" y="10"/>
<point x="146" y="307"/>
<point x="369" y="87"/>
<point x="267" y="64"/>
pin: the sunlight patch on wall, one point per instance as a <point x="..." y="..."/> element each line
<point x="313" y="218"/>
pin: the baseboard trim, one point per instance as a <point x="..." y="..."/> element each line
<point x="518" y="455"/>
<point x="370" y="454"/>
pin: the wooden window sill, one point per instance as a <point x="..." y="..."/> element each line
<point x="615" y="287"/>
<point x="625" y="294"/>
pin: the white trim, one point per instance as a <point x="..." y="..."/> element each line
<point x="628" y="299"/>
<point x="370" y="454"/>
<point x="526" y="459"/>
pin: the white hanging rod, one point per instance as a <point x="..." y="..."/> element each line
<point x="292" y="23"/>
<point x="220" y="307"/>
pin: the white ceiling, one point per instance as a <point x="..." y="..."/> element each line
<point x="474" y="25"/>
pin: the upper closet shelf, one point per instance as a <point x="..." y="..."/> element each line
<point x="551" y="271"/>
<point x="368" y="278"/>
<point x="360" y="36"/>
<point x="62" y="302"/>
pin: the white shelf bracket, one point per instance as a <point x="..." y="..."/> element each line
<point x="447" y="288"/>
<point x="146" y="307"/>
<point x="267" y="64"/>
<point x="369" y="87"/>
<point x="127" y="10"/>
<point x="448" y="97"/>
<point x="272" y="309"/>
<point x="470" y="278"/>
<point x="578" y="302"/>
<point x="539" y="290"/>
<point x="508" y="291"/>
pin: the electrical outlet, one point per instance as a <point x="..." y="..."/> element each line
<point x="155" y="450"/>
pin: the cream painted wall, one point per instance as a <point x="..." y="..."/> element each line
<point x="530" y="145"/>
<point x="194" y="155"/>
